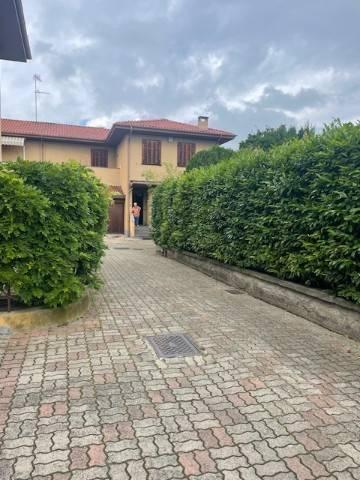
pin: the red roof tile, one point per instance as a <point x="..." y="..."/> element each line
<point x="56" y="130"/>
<point x="170" y="125"/>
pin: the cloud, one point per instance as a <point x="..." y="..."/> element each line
<point x="148" y="82"/>
<point x="247" y="64"/>
<point x="126" y="113"/>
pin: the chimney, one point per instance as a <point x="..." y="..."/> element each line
<point x="203" y="122"/>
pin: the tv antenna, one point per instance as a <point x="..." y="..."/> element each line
<point x="37" y="92"/>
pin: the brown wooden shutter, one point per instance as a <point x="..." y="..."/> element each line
<point x="184" y="153"/>
<point x="151" y="152"/>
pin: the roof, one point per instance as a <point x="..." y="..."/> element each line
<point x="27" y="128"/>
<point x="14" y="43"/>
<point x="172" y="126"/>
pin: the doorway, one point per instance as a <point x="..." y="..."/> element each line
<point x="139" y="196"/>
<point x="116" y="216"/>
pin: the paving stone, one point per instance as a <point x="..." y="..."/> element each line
<point x="23" y="468"/>
<point x="93" y="473"/>
<point x="54" y="456"/>
<point x="161" y="461"/>
<point x="136" y="470"/>
<point x="270" y="468"/>
<point x="89" y="401"/>
<point x="124" y="456"/>
<point x="50" y="468"/>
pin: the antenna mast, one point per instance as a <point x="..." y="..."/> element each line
<point x="37" y="92"/>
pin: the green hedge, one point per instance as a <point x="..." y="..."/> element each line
<point x="53" y="219"/>
<point x="293" y="211"/>
<point x="205" y="158"/>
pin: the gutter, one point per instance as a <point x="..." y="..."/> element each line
<point x="22" y="27"/>
<point x="172" y="133"/>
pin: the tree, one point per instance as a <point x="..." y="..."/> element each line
<point x="270" y="137"/>
<point x="209" y="157"/>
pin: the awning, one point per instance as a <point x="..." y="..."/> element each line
<point x="141" y="183"/>
<point x="13" y="141"/>
<point x="116" y="191"/>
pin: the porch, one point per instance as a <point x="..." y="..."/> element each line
<point x="141" y="193"/>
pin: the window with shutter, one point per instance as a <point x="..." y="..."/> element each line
<point x="99" y="157"/>
<point x="185" y="151"/>
<point x="151" y="152"/>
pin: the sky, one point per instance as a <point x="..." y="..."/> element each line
<point x="247" y="64"/>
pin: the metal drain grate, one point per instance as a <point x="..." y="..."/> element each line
<point x="235" y="292"/>
<point x="120" y="248"/>
<point x="173" y="345"/>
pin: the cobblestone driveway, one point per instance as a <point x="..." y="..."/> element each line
<point x="272" y="396"/>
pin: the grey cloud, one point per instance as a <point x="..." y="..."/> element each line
<point x="250" y="64"/>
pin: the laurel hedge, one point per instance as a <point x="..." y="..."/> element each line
<point x="53" y="219"/>
<point x="292" y="211"/>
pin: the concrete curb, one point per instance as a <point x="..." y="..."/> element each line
<point x="35" y="317"/>
<point x="317" y="306"/>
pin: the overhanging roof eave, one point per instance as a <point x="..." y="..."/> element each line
<point x="23" y="31"/>
<point x="176" y="133"/>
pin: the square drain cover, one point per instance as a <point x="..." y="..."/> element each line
<point x="173" y="345"/>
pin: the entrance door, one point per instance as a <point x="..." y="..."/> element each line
<point x="116" y="216"/>
<point x="139" y="196"/>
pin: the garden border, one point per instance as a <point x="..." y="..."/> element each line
<point x="317" y="306"/>
<point x="35" y="317"/>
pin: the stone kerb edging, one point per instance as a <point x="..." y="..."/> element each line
<point x="331" y="312"/>
<point x="34" y="317"/>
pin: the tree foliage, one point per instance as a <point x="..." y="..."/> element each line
<point x="52" y="221"/>
<point x="271" y="137"/>
<point x="292" y="211"/>
<point x="209" y="157"/>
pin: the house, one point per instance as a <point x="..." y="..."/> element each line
<point x="130" y="157"/>
<point x="14" y="43"/>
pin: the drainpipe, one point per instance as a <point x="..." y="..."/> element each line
<point x="130" y="232"/>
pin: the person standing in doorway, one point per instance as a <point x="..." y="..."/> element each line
<point x="135" y="211"/>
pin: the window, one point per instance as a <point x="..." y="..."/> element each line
<point x="184" y="153"/>
<point x="151" y="152"/>
<point x="99" y="157"/>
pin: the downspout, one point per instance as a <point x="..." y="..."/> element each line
<point x="128" y="181"/>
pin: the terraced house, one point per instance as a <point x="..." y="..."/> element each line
<point x="130" y="157"/>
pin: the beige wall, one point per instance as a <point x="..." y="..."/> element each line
<point x="59" y="152"/>
<point x="129" y="159"/>
<point x="138" y="171"/>
<point x="109" y="176"/>
<point x="11" y="153"/>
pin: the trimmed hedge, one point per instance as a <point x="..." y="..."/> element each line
<point x="53" y="218"/>
<point x="205" y="158"/>
<point x="293" y="211"/>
